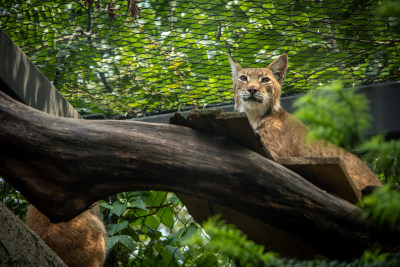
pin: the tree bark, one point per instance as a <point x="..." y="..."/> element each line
<point x="64" y="165"/>
<point x="20" y="246"/>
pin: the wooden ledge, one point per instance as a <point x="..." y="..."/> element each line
<point x="233" y="125"/>
<point x="328" y="173"/>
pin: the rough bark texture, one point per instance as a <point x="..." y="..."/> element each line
<point x="19" y="246"/>
<point x="64" y="165"/>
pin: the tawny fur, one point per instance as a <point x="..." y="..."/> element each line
<point x="281" y="133"/>
<point x="78" y="242"/>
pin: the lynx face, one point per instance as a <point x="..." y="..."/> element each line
<point x="257" y="90"/>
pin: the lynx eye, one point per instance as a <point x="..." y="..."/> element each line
<point x="265" y="80"/>
<point x="243" y="78"/>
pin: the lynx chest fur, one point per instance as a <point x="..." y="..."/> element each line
<point x="257" y="93"/>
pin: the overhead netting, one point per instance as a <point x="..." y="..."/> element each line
<point x="137" y="57"/>
<point x="134" y="58"/>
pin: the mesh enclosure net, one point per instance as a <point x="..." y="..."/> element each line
<point x="135" y="58"/>
<point x="158" y="226"/>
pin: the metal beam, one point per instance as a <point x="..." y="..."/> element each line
<point x="21" y="79"/>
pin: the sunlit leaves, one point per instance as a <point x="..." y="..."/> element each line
<point x="174" y="45"/>
<point x="335" y="114"/>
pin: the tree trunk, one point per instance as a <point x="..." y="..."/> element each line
<point x="64" y="165"/>
<point x="19" y="246"/>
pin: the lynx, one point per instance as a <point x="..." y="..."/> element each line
<point x="78" y="242"/>
<point x="257" y="93"/>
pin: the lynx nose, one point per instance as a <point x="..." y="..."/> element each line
<point x="252" y="90"/>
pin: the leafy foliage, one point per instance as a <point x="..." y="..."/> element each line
<point x="389" y="8"/>
<point x="149" y="228"/>
<point x="175" y="54"/>
<point x="13" y="199"/>
<point x="230" y="244"/>
<point x="383" y="157"/>
<point x="383" y="207"/>
<point x="335" y="114"/>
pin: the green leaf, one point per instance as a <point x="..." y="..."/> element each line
<point x="126" y="240"/>
<point x="112" y="229"/>
<point x="173" y="199"/>
<point x="166" y="255"/>
<point x="190" y="231"/>
<point x="139" y="203"/>
<point x="175" y="252"/>
<point x="167" y="216"/>
<point x="172" y="238"/>
<point x="152" y="222"/>
<point x="208" y="259"/>
<point x="116" y="208"/>
<point x="157" y="198"/>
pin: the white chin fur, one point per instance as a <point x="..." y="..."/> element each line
<point x="255" y="111"/>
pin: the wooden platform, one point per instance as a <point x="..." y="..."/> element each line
<point x="233" y="125"/>
<point x="326" y="173"/>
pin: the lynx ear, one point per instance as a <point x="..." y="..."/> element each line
<point x="234" y="66"/>
<point x="278" y="68"/>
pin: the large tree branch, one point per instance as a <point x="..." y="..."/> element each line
<point x="64" y="165"/>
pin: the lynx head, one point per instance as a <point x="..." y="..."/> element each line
<point x="257" y="90"/>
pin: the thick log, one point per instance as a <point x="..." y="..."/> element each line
<point x="64" y="165"/>
<point x="261" y="233"/>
